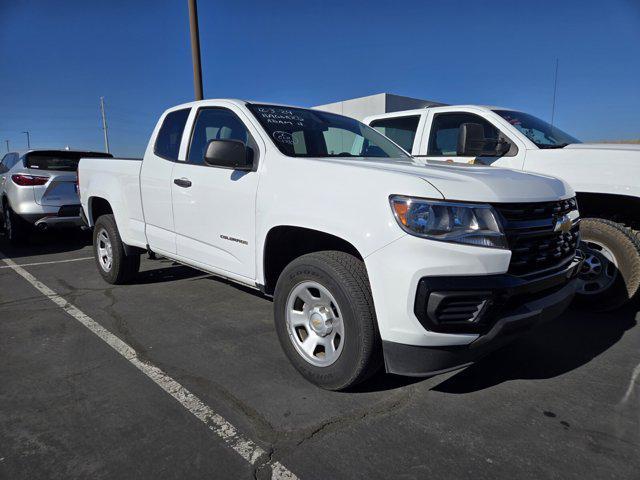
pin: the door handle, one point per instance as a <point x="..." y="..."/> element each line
<point x="182" y="182"/>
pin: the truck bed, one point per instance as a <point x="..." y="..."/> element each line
<point x="116" y="180"/>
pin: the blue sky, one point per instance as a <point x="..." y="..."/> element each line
<point x="58" y="58"/>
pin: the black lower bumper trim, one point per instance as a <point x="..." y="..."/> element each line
<point x="472" y="304"/>
<point x="412" y="360"/>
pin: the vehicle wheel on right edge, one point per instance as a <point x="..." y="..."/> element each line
<point x="325" y="319"/>
<point x="15" y="228"/>
<point x="113" y="264"/>
<point x="610" y="275"/>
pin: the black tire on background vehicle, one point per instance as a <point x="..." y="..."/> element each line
<point x="113" y="264"/>
<point x="15" y="228"/>
<point x="610" y="276"/>
<point x="325" y="298"/>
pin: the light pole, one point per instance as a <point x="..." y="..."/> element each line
<point x="7" y="142"/>
<point x="195" y="49"/>
<point x="28" y="140"/>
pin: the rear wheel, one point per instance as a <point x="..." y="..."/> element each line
<point x="610" y="275"/>
<point x="113" y="264"/>
<point x="15" y="228"/>
<point x="325" y="319"/>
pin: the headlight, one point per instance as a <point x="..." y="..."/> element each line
<point x="449" y="221"/>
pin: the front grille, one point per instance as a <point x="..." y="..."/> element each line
<point x="534" y="244"/>
<point x="69" y="211"/>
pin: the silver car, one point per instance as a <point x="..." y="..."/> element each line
<point x="38" y="189"/>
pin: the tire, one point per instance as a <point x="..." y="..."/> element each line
<point x="15" y="228"/>
<point x="113" y="264"/>
<point x="336" y="286"/>
<point x="606" y="286"/>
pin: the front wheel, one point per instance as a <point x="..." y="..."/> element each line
<point x="610" y="275"/>
<point x="325" y="319"/>
<point x="113" y="264"/>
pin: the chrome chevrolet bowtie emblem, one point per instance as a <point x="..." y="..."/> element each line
<point x="563" y="224"/>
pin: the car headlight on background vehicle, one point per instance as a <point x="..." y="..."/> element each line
<point x="449" y="221"/>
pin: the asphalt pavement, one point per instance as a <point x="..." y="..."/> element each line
<point x="562" y="402"/>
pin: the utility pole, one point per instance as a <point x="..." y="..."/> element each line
<point x="555" y="89"/>
<point x="28" y="140"/>
<point x="104" y="125"/>
<point x="195" y="49"/>
<point x="7" y="142"/>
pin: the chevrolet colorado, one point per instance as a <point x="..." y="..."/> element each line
<point x="606" y="178"/>
<point x="371" y="257"/>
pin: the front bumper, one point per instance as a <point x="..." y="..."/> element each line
<point x="513" y="306"/>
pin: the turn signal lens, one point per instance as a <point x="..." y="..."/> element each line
<point x="29" y="180"/>
<point x="401" y="210"/>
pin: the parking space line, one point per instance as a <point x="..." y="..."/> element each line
<point x="47" y="263"/>
<point x="243" y="446"/>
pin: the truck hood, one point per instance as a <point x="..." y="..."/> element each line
<point x="604" y="146"/>
<point x="472" y="183"/>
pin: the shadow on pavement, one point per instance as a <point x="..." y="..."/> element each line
<point x="49" y="242"/>
<point x="548" y="351"/>
<point x="169" y="273"/>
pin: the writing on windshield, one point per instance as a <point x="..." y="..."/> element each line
<point x="299" y="132"/>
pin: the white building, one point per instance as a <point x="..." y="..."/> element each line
<point x="362" y="107"/>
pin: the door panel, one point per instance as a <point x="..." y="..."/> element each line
<point x="155" y="188"/>
<point x="214" y="207"/>
<point x="156" y="178"/>
<point x="215" y="217"/>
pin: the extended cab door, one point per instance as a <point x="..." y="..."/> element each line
<point x="214" y="207"/>
<point x="440" y="139"/>
<point x="156" y="179"/>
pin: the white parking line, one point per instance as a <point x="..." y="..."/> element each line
<point x="243" y="446"/>
<point x="48" y="263"/>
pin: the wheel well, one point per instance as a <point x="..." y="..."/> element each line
<point x="285" y="243"/>
<point x="618" y="208"/>
<point x="98" y="206"/>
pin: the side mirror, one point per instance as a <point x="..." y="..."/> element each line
<point x="229" y="154"/>
<point x="471" y="143"/>
<point x="470" y="140"/>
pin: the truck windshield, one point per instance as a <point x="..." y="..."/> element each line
<point x="543" y="134"/>
<point x="298" y="132"/>
<point x="64" y="161"/>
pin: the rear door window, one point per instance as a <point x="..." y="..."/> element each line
<point x="170" y="135"/>
<point x="401" y="130"/>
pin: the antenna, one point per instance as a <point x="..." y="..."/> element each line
<point x="104" y="125"/>
<point x="555" y="89"/>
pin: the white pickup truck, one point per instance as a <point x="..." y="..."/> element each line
<point x="372" y="258"/>
<point x="605" y="177"/>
